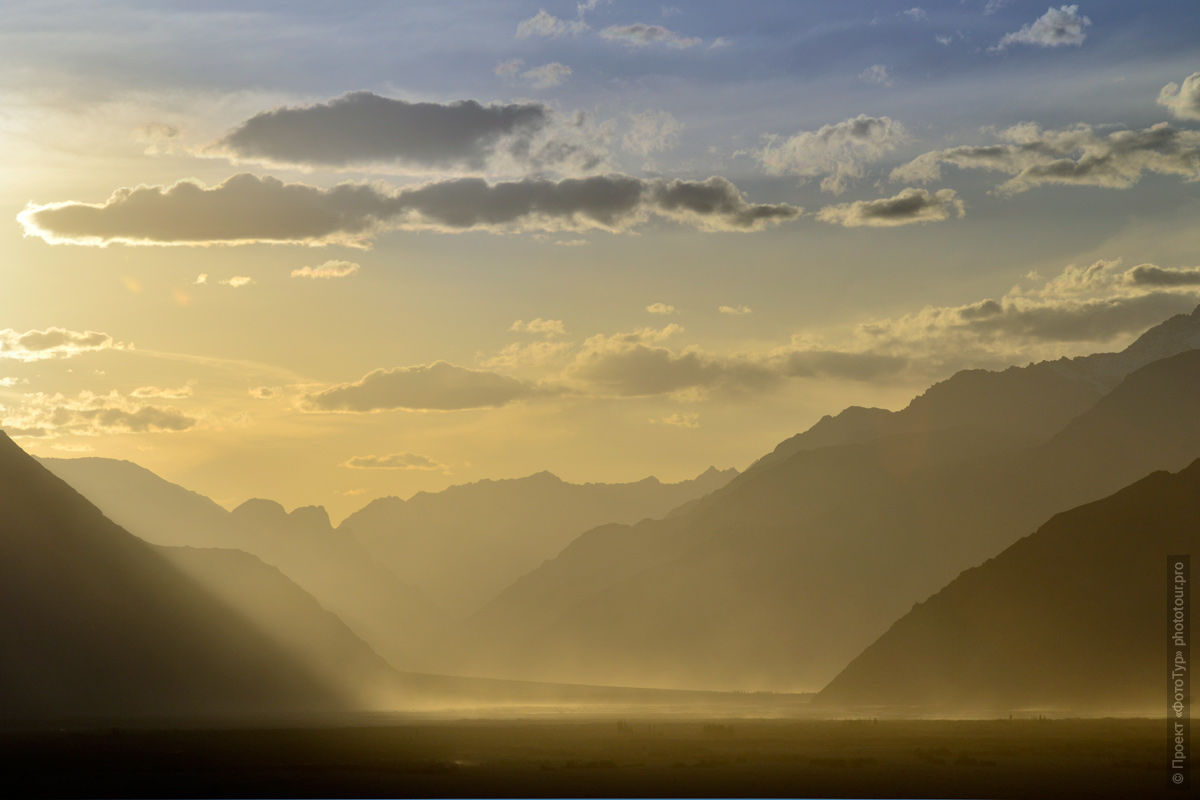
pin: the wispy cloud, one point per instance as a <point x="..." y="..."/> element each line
<point x="1072" y="156"/>
<point x="405" y="461"/>
<point x="639" y="34"/>
<point x="545" y="24"/>
<point x="839" y="152"/>
<point x="330" y="269"/>
<point x="1062" y="26"/>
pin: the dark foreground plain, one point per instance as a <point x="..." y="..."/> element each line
<point x="1123" y="758"/>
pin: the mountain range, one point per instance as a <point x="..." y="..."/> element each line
<point x="461" y="546"/>
<point x="97" y="622"/>
<point x="780" y="578"/>
<point x="774" y="579"/>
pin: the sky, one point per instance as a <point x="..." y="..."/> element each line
<point x="329" y="252"/>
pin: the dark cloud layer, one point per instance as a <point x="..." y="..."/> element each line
<point x="440" y="386"/>
<point x="909" y="207"/>
<point x="362" y="127"/>
<point x="247" y="209"/>
<point x="1151" y="275"/>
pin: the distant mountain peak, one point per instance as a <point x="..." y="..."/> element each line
<point x="258" y="509"/>
<point x="312" y="516"/>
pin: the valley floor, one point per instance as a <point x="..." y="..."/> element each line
<point x="592" y="757"/>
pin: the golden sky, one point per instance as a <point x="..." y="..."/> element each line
<point x="328" y="255"/>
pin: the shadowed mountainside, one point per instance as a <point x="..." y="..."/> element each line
<point x="97" y="622"/>
<point x="1070" y="618"/>
<point x="332" y="567"/>
<point x="801" y="562"/>
<point x="464" y="544"/>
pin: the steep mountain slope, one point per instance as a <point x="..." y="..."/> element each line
<point x="94" y="621"/>
<point x="393" y="617"/>
<point x="1071" y="617"/>
<point x="463" y="545"/>
<point x="796" y="566"/>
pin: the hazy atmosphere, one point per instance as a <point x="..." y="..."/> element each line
<point x="765" y="364"/>
<point x="612" y="241"/>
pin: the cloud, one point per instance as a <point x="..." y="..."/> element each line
<point x="439" y="386"/>
<point x="542" y="77"/>
<point x="652" y="131"/>
<point x="330" y="269"/>
<point x="167" y="393"/>
<point x="547" y="75"/>
<point x="525" y="354"/>
<point x="840" y="152"/>
<point x="1090" y="304"/>
<point x="544" y="327"/>
<point x="38" y="345"/>
<point x="915" y="14"/>
<point x="660" y="308"/>
<point x="544" y="24"/>
<point x="679" y="420"/>
<point x="1183" y="101"/>
<point x="1109" y="277"/>
<point x="735" y="310"/>
<point x="237" y="281"/>
<point x="640" y="34"/>
<point x="90" y="414"/>
<point x="243" y="209"/>
<point x="634" y="369"/>
<point x="364" y="128"/>
<point x="158" y="137"/>
<point x="909" y="207"/>
<point x="510" y="68"/>
<point x="394" y="461"/>
<point x="1057" y="27"/>
<point x="247" y="209"/>
<point x="637" y="364"/>
<point x="1151" y="275"/>
<point x="262" y="392"/>
<point x="201" y="279"/>
<point x="1015" y="319"/>
<point x="1070" y="156"/>
<point x="877" y="74"/>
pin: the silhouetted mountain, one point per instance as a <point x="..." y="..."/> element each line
<point x="1027" y="402"/>
<point x="95" y="621"/>
<point x="1071" y="618"/>
<point x="393" y="617"/>
<point x="799" y="563"/>
<point x="464" y="544"/>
